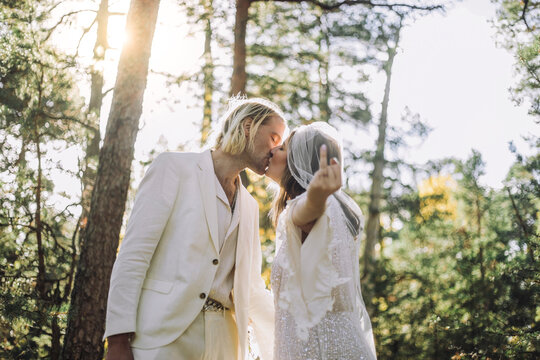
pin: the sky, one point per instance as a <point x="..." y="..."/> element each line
<point x="448" y="70"/>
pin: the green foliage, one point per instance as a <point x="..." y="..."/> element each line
<point x="518" y="31"/>
<point x="39" y="116"/>
<point x="295" y="58"/>
<point x="464" y="287"/>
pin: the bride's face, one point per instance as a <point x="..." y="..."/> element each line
<point x="278" y="162"/>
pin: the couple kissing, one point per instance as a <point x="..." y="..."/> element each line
<point x="187" y="280"/>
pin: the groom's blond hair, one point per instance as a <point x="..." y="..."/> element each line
<point x="232" y="138"/>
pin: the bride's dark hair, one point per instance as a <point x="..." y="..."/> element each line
<point x="290" y="188"/>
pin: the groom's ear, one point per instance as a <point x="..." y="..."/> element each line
<point x="247" y="126"/>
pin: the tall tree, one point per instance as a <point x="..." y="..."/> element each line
<point x="239" y="77"/>
<point x="94" y="108"/>
<point x="377" y="179"/>
<point x="204" y="16"/>
<point x="208" y="71"/>
<point x="100" y="242"/>
<point x="323" y="42"/>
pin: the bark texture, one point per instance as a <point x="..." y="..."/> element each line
<point x="239" y="77"/>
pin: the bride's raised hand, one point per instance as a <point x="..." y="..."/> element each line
<point x="327" y="179"/>
<point x="325" y="182"/>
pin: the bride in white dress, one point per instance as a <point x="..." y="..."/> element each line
<point x="320" y="313"/>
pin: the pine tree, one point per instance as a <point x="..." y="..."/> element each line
<point x="86" y="319"/>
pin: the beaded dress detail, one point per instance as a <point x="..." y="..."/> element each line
<point x="319" y="311"/>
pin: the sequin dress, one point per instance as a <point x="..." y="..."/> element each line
<point x="319" y="311"/>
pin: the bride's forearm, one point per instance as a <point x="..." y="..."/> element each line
<point x="308" y="209"/>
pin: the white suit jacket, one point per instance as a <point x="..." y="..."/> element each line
<point x="165" y="266"/>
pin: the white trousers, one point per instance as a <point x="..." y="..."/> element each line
<point x="211" y="336"/>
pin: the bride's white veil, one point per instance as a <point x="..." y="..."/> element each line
<point x="303" y="162"/>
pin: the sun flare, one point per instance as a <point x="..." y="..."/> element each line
<point x="117" y="36"/>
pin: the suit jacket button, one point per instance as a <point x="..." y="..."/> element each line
<point x="215" y="261"/>
<point x="202" y="295"/>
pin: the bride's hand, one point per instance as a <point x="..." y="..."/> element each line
<point x="325" y="182"/>
<point x="327" y="179"/>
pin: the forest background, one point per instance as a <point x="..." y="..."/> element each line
<point x="449" y="262"/>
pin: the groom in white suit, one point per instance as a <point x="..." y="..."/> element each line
<point x="186" y="281"/>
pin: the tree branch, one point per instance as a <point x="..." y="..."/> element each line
<point x="525" y="4"/>
<point x="85" y="31"/>
<point x="67" y="117"/>
<point x="67" y="289"/>
<point x="51" y="30"/>
<point x="370" y="3"/>
<point x="518" y="215"/>
<point x="107" y="91"/>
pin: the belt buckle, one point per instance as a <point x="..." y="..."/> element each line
<point x="213" y="305"/>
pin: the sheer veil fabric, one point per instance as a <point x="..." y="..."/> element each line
<point x="303" y="157"/>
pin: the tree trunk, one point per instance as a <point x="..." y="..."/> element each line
<point x="373" y="227"/>
<point x="94" y="110"/>
<point x="56" y="334"/>
<point x="87" y="312"/>
<point x="239" y="77"/>
<point x="324" y="69"/>
<point x="41" y="275"/>
<point x="208" y="73"/>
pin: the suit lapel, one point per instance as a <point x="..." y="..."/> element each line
<point x="242" y="272"/>
<point x="244" y="225"/>
<point x="243" y="246"/>
<point x="207" y="181"/>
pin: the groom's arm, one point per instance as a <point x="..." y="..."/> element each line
<point x="152" y="208"/>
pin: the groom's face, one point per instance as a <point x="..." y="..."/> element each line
<point x="269" y="135"/>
